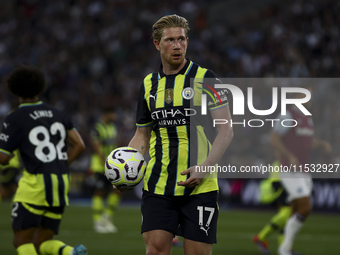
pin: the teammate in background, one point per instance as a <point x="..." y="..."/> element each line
<point x="271" y="191"/>
<point x="9" y="177"/>
<point x="48" y="142"/>
<point x="294" y="144"/>
<point x="177" y="200"/>
<point x="104" y="140"/>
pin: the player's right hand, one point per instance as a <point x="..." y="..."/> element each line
<point x="121" y="189"/>
<point x="194" y="180"/>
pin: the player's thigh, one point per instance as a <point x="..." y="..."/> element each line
<point x="24" y="224"/>
<point x="302" y="205"/>
<point x="49" y="225"/>
<point x="52" y="218"/>
<point x="158" y="241"/>
<point x="159" y="213"/>
<point x="198" y="218"/>
<point x="101" y="186"/>
<point x="23" y="236"/>
<point x="27" y="219"/>
<point x="196" y="248"/>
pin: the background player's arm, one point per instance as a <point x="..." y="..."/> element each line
<point x="276" y="142"/>
<point x="76" y="145"/>
<point x="96" y="144"/>
<point x="222" y="140"/>
<point x="141" y="140"/>
<point x="321" y="144"/>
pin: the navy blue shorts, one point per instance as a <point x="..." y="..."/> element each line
<point x="25" y="216"/>
<point x="101" y="182"/>
<point x="282" y="199"/>
<point x="192" y="217"/>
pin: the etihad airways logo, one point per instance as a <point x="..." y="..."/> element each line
<point x="173" y="116"/>
<point x="172" y="113"/>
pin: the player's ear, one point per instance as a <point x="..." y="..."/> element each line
<point x="156" y="43"/>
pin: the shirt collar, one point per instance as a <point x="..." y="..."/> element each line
<point x="182" y="71"/>
<point x="30" y="104"/>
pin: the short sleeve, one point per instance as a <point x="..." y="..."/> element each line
<point x="143" y="115"/>
<point x="217" y="98"/>
<point x="9" y="138"/>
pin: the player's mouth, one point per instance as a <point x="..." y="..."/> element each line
<point x="176" y="56"/>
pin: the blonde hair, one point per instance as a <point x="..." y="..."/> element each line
<point x="169" y="21"/>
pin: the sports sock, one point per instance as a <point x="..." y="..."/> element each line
<point x="112" y="202"/>
<point x="97" y="208"/>
<point x="293" y="226"/>
<point x="27" y="248"/>
<point x="277" y="222"/>
<point x="280" y="238"/>
<point x="266" y="231"/>
<point x="54" y="247"/>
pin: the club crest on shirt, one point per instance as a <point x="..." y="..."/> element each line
<point x="168" y="95"/>
<point x="188" y="93"/>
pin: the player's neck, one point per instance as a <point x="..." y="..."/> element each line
<point x="29" y="100"/>
<point x="105" y="121"/>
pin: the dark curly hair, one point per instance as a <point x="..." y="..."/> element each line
<point x="26" y="81"/>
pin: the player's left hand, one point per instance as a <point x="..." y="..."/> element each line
<point x="195" y="178"/>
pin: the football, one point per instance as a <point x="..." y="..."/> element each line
<point x="125" y="167"/>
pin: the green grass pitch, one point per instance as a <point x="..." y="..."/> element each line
<point x="319" y="236"/>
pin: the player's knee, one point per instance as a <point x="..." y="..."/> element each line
<point x="18" y="241"/>
<point x="158" y="247"/>
<point x="305" y="210"/>
<point x="15" y="242"/>
<point x="151" y="251"/>
<point x="158" y="242"/>
<point x="37" y="247"/>
<point x="156" y="250"/>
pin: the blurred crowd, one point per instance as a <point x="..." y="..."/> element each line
<point x="96" y="53"/>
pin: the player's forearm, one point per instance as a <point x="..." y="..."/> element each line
<point x="74" y="152"/>
<point x="141" y="140"/>
<point x="76" y="145"/>
<point x="321" y="144"/>
<point x="223" y="138"/>
<point x="221" y="143"/>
